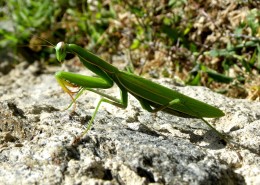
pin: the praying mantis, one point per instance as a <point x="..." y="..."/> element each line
<point x="152" y="96"/>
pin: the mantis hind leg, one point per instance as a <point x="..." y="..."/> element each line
<point x="147" y="105"/>
<point x="153" y="107"/>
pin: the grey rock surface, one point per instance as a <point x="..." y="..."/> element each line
<point x="128" y="146"/>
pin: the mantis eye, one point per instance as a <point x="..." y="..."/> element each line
<point x="60" y="51"/>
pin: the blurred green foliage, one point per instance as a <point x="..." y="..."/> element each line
<point x="162" y="37"/>
<point x="26" y="17"/>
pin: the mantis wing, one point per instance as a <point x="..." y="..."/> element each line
<point x="160" y="95"/>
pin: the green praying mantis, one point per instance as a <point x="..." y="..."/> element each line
<point x="152" y="96"/>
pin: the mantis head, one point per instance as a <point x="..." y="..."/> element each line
<point x="60" y="51"/>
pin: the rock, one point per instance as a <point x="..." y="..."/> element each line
<point x="128" y="146"/>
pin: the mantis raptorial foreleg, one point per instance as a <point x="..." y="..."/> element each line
<point x="79" y="93"/>
<point x="66" y="78"/>
<point x="75" y="80"/>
